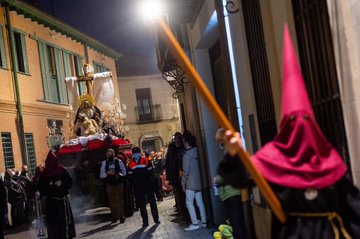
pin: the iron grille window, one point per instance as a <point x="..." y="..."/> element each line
<point x="7" y="150"/>
<point x="260" y="73"/>
<point x="259" y="70"/>
<point x="318" y="65"/>
<point x="30" y="149"/>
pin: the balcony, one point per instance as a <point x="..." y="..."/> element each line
<point x="149" y="114"/>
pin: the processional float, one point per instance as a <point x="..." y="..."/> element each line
<point x="96" y="123"/>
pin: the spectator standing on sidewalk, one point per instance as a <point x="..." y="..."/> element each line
<point x="3" y="207"/>
<point x="174" y="170"/>
<point x="112" y="170"/>
<point x="158" y="170"/>
<point x="27" y="180"/>
<point x="191" y="183"/>
<point x="140" y="175"/>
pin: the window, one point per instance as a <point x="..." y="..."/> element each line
<point x="78" y="64"/>
<point x="98" y="68"/>
<point x="57" y="123"/>
<point x="20" y="52"/>
<point x="2" y="49"/>
<point x="56" y="136"/>
<point x="54" y="84"/>
<point x="52" y="62"/>
<point x="143" y="97"/>
<point x="51" y="56"/>
<point x="149" y="145"/>
<point x="7" y="150"/>
<point x="317" y="58"/>
<point x="30" y="149"/>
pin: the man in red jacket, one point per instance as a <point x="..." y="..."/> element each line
<point x="140" y="175"/>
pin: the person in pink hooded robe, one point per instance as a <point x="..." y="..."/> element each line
<point x="304" y="170"/>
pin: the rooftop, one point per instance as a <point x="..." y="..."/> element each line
<point x="55" y="24"/>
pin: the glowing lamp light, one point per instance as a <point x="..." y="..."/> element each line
<point x="150" y="9"/>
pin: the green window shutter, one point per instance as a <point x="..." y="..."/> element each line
<point x="82" y="85"/>
<point x="60" y="75"/>
<point x="24" y="53"/>
<point x="45" y="70"/>
<point x="50" y="85"/>
<point x="67" y="64"/>
<point x="15" y="55"/>
<point x="2" y="48"/>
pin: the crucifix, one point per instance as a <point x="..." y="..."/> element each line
<point x="88" y="78"/>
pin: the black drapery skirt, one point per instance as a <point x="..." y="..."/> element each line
<point x="128" y="199"/>
<point x="59" y="218"/>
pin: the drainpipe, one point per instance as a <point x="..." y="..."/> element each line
<point x="20" y="122"/>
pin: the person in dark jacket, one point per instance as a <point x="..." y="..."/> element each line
<point x="3" y="207"/>
<point x="231" y="198"/>
<point x="174" y="170"/>
<point x="171" y="155"/>
<point x="127" y="189"/>
<point x="112" y="170"/>
<point x="27" y="182"/>
<point x="140" y="174"/>
<point x="158" y="165"/>
<point x="16" y="197"/>
<point x="54" y="184"/>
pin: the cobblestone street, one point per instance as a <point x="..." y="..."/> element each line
<point x="94" y="224"/>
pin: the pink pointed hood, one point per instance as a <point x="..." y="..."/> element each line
<point x="294" y="94"/>
<point x="299" y="156"/>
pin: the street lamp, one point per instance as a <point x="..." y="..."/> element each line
<point x="151" y="11"/>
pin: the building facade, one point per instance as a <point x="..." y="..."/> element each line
<point x="236" y="46"/>
<point x="152" y="114"/>
<point x="37" y="52"/>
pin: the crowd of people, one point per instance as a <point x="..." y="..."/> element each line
<point x="18" y="196"/>
<point x="20" y="202"/>
<point x="132" y="179"/>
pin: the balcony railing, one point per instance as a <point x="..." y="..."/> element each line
<point x="149" y="114"/>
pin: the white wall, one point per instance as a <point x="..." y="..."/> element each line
<point x="345" y="26"/>
<point x="161" y="93"/>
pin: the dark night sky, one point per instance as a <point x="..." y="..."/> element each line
<point x="115" y="23"/>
